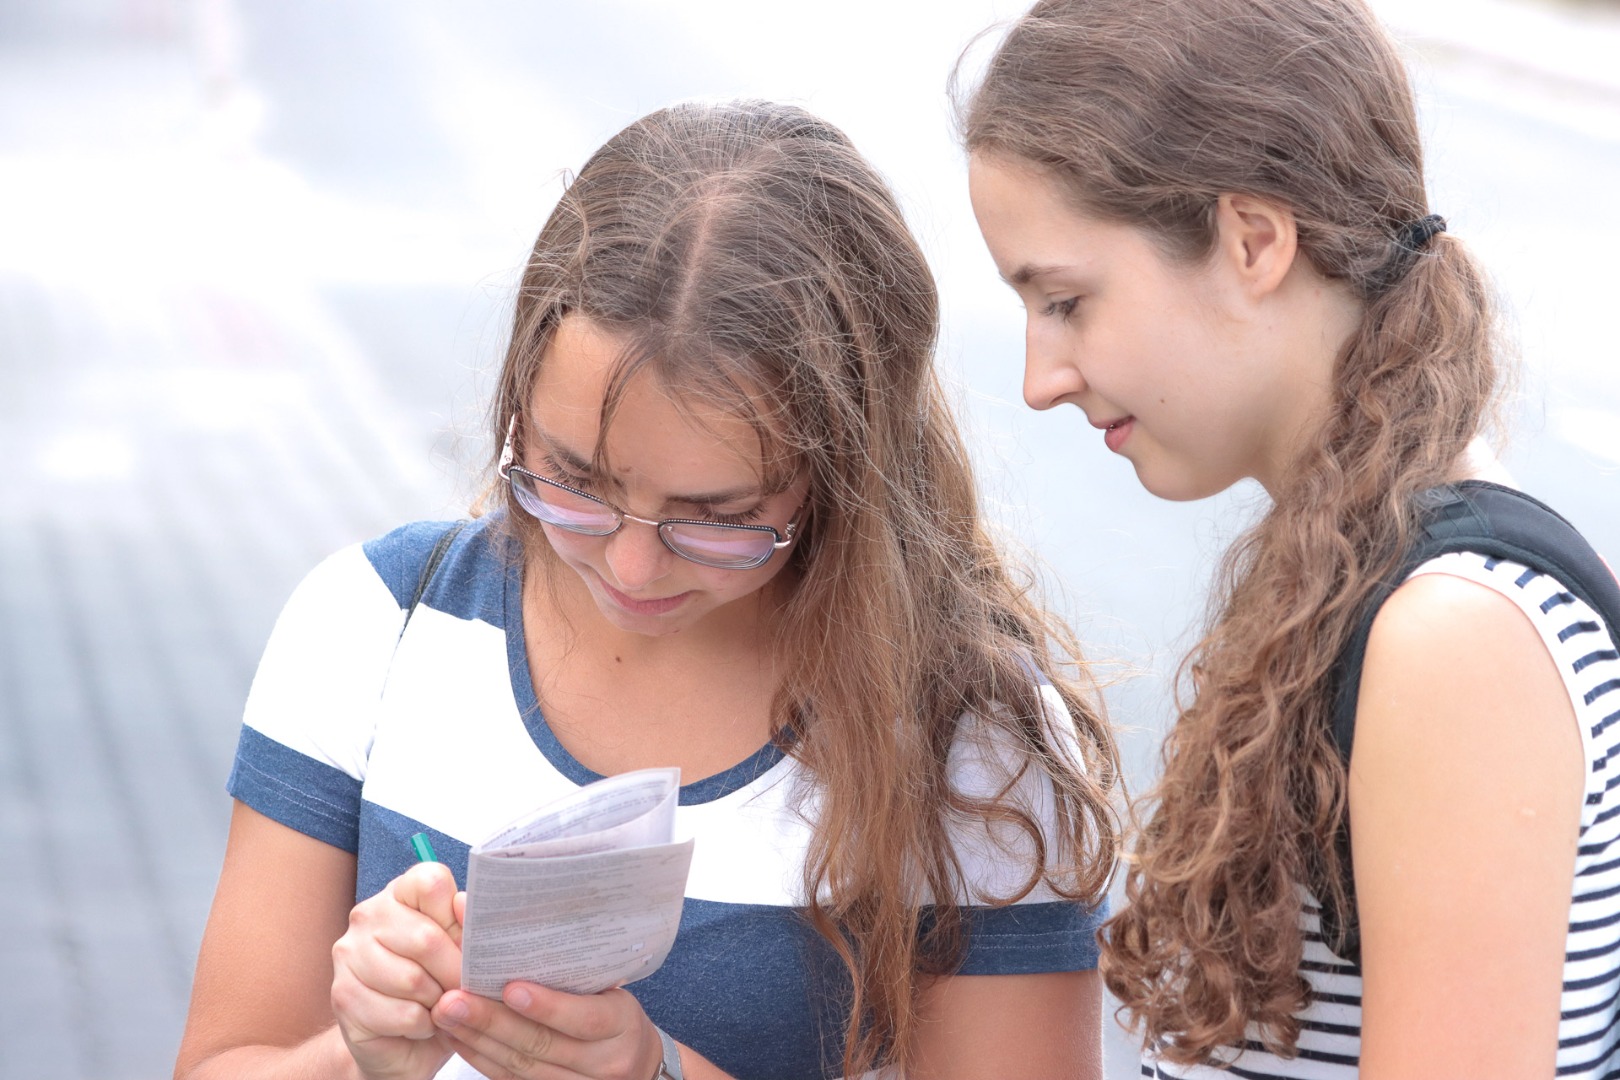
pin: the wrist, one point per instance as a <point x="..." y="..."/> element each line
<point x="668" y="1065"/>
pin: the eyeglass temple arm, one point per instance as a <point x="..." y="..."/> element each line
<point x="508" y="454"/>
<point x="791" y="529"/>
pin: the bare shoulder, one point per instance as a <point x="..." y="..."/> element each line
<point x="1440" y="613"/>
<point x="1466" y="661"/>
<point x="1466" y="783"/>
<point x="1461" y="699"/>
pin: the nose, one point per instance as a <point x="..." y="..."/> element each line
<point x="1051" y="373"/>
<point x="637" y="556"/>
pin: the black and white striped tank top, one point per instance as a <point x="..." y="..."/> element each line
<point x="1589" y="1026"/>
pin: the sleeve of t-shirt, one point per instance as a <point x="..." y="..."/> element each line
<point x="1041" y="931"/>
<point x="310" y="715"/>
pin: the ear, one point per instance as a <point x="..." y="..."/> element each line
<point x="1257" y="240"/>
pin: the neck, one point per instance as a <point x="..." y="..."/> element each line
<point x="1312" y="327"/>
<point x="1479" y="462"/>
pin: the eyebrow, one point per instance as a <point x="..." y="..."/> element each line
<point x="1030" y="271"/>
<point x="578" y="464"/>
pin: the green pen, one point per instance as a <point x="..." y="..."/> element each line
<point x="423" y="848"/>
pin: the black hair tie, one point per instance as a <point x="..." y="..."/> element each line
<point x="1407" y="247"/>
<point x="1415" y="235"/>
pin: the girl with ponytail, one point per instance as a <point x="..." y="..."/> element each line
<point x="1214" y="212"/>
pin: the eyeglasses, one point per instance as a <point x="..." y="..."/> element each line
<point x="708" y="543"/>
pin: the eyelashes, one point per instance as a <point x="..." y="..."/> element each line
<point x="568" y="477"/>
<point x="738" y="517"/>
<point x="1062" y="308"/>
<point x="564" y="475"/>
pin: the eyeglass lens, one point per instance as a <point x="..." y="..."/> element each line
<point x="559" y="506"/>
<point x="718" y="545"/>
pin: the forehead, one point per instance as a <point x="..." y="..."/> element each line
<point x="1032" y="225"/>
<point x="652" y="431"/>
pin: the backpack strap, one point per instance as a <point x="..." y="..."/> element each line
<point x="431" y="567"/>
<point x="1490" y="520"/>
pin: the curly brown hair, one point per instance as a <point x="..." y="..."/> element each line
<point x="1146" y="112"/>
<point x="750" y="258"/>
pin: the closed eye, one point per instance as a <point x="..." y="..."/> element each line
<point x="736" y="517"/>
<point x="1061" y="308"/>
<point x="561" y="473"/>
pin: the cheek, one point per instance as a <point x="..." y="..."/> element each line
<point x="1166" y="359"/>
<point x="728" y="585"/>
<point x="571" y="546"/>
<point x="731" y="584"/>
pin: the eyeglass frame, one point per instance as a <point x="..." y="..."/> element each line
<point x="508" y="465"/>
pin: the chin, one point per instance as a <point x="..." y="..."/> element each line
<point x="1179" y="486"/>
<point x="644" y="627"/>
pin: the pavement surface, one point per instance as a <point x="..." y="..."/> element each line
<point x="254" y="256"/>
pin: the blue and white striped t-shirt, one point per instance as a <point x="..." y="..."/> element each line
<point x="360" y="737"/>
<point x="1589" y="1024"/>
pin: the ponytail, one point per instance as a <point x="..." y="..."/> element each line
<point x="1146" y="111"/>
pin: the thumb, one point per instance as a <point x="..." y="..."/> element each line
<point x="458" y="908"/>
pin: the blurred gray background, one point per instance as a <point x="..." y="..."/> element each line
<point x="255" y="262"/>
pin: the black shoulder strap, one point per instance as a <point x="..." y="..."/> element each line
<point x="1494" y="521"/>
<point x="431" y="567"/>
<point x="1490" y="520"/>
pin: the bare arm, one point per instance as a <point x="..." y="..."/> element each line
<point x="1465" y="796"/>
<point x="1014" y="1027"/>
<point x="261" y="1001"/>
<point x="293" y="982"/>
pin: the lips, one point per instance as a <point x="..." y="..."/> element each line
<point x="1115" y="432"/>
<point x="658" y="606"/>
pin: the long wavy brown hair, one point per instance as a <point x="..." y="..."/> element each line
<point x="749" y="257"/>
<point x="1146" y="112"/>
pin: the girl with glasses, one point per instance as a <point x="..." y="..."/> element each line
<point x="1214" y="213"/>
<point x="732" y="528"/>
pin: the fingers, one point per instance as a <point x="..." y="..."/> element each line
<point x="394" y="947"/>
<point x="430" y="890"/>
<point x="500" y="1043"/>
<point x="588" y="1017"/>
<point x="398" y="957"/>
<point x="538" y="1034"/>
